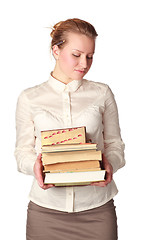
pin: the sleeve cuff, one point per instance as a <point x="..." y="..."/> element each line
<point x="117" y="161"/>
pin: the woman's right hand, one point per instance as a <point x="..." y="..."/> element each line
<point x="39" y="175"/>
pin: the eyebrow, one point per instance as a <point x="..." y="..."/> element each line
<point x="82" y="52"/>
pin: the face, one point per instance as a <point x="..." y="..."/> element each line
<point x="74" y="60"/>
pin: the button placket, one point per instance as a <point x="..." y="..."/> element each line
<point x="69" y="199"/>
<point x="66" y="109"/>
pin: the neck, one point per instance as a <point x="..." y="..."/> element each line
<point x="60" y="76"/>
<point x="54" y="76"/>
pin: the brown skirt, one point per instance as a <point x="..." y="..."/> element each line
<point x="95" y="224"/>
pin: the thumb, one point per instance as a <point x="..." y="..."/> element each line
<point x="39" y="157"/>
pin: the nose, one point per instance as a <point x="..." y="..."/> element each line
<point x="83" y="62"/>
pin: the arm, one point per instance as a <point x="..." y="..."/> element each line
<point x="26" y="156"/>
<point x="25" y="153"/>
<point x="113" y="157"/>
<point x="113" y="144"/>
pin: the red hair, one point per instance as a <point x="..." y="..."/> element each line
<point x="75" y="25"/>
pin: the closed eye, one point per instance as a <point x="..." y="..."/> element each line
<point x="79" y="56"/>
<point x="89" y="57"/>
<point x="76" y="55"/>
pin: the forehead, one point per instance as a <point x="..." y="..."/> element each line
<point x="80" y="42"/>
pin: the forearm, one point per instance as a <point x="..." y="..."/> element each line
<point x="25" y="153"/>
<point x="114" y="152"/>
<point x="25" y="160"/>
<point x="113" y="144"/>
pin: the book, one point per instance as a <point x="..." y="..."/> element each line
<point x="63" y="136"/>
<point x="74" y="178"/>
<point x="71" y="156"/>
<point x="73" y="166"/>
<point x="73" y="170"/>
<point x="68" y="147"/>
<point x="68" y="159"/>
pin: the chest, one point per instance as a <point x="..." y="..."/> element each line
<point x="68" y="112"/>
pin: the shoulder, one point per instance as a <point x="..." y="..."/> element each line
<point x="33" y="92"/>
<point x="99" y="87"/>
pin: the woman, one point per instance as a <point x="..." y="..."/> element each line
<point x="68" y="100"/>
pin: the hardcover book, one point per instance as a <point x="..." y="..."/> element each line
<point x="63" y="136"/>
<point x="74" y="178"/>
<point x="73" y="166"/>
<point x="68" y="159"/>
<point x="68" y="147"/>
<point x="70" y="156"/>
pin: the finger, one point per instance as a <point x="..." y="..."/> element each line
<point x="47" y="186"/>
<point x="39" y="171"/>
<point x="39" y="157"/>
<point x="39" y="177"/>
<point x="40" y="181"/>
<point x="103" y="183"/>
<point x="108" y="177"/>
<point x="99" y="184"/>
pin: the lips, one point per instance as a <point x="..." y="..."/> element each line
<point x="80" y="71"/>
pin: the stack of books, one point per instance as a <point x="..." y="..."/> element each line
<point x="68" y="159"/>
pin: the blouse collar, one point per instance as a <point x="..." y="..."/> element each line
<point x="62" y="87"/>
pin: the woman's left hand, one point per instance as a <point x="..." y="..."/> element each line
<point x="109" y="173"/>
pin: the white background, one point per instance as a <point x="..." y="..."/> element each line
<point x="127" y="59"/>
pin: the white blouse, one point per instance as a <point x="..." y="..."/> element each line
<point x="55" y="105"/>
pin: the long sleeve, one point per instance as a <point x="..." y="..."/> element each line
<point x="113" y="144"/>
<point x="53" y="105"/>
<point x="25" y="140"/>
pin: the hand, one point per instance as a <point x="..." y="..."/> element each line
<point x="39" y="175"/>
<point x="109" y="173"/>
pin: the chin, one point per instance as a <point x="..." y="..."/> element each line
<point x="79" y="76"/>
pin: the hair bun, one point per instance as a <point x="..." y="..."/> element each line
<point x="54" y="28"/>
<point x="52" y="32"/>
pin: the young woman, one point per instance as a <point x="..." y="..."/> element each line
<point x="68" y="100"/>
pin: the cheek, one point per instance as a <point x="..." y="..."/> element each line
<point x="68" y="61"/>
<point x="90" y="63"/>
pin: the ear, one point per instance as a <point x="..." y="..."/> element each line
<point x="55" y="51"/>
